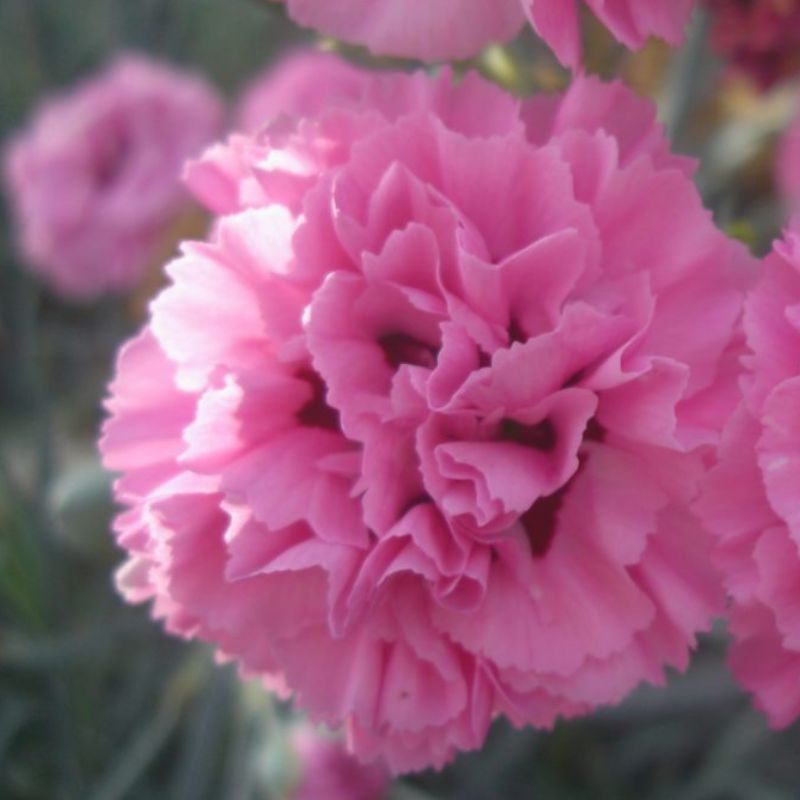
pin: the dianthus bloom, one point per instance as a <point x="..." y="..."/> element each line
<point x="761" y="38"/>
<point x="95" y="179"/>
<point x="326" y="771"/>
<point x="452" y="29"/>
<point x="751" y="500"/>
<point x="300" y="84"/>
<point x="413" y="437"/>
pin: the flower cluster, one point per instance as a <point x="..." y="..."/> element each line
<point x="414" y="436"/>
<point x="94" y="181"/>
<point x="452" y="29"/>
<point x="465" y="408"/>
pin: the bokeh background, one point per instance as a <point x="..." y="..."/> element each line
<point x="96" y="703"/>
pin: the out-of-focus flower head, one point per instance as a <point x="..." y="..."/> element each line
<point x="453" y="29"/>
<point x="751" y="500"/>
<point x="414" y="435"/>
<point x="95" y="179"/>
<point x="761" y="38"/>
<point x="300" y="84"/>
<point x="326" y="771"/>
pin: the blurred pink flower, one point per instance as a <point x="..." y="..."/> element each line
<point x="751" y="500"/>
<point x="94" y="180"/>
<point x="300" y="84"/>
<point x="452" y="29"/>
<point x="328" y="772"/>
<point x="761" y="38"/>
<point x="414" y="436"/>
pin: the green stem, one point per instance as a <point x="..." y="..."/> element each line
<point x="683" y="86"/>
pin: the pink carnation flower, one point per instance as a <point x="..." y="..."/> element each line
<point x="326" y="771"/>
<point x="452" y="29"/>
<point x="300" y="84"/>
<point x="751" y="499"/>
<point x="413" y="437"/>
<point x="761" y="38"/>
<point x="94" y="181"/>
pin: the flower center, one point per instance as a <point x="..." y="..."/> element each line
<point x="400" y="348"/>
<point x="542" y="435"/>
<point x="515" y="332"/>
<point x="540" y="520"/>
<point x="111" y="157"/>
<point x="316" y="413"/>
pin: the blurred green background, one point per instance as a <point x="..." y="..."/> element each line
<point x="95" y="702"/>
